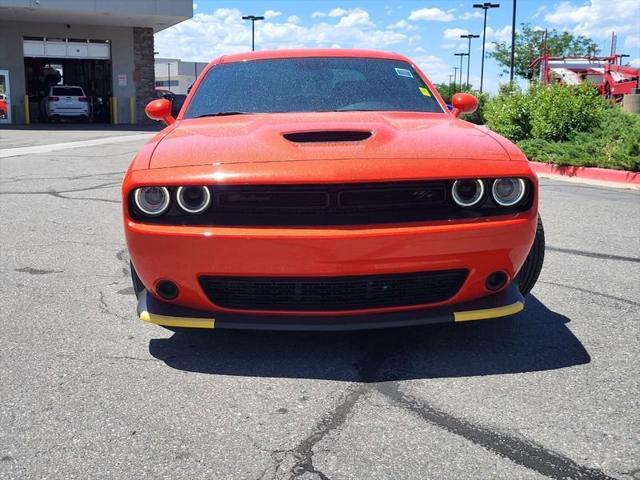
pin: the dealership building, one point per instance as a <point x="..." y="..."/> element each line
<point x="103" y="46"/>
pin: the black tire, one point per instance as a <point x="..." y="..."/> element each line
<point x="530" y="271"/>
<point x="138" y="286"/>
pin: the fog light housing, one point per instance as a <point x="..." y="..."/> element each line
<point x="495" y="281"/>
<point x="167" y="289"/>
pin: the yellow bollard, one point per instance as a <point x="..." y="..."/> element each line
<point x="27" y="112"/>
<point x="132" y="110"/>
<point x="114" y="110"/>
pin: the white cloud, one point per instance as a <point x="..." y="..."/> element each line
<point x="635" y="62"/>
<point x="539" y="11"/>
<point x="207" y="36"/>
<point x="353" y="17"/>
<point x="432" y="14"/>
<point x="402" y="25"/>
<point x="338" y="12"/>
<point x="195" y="6"/>
<point x="597" y="18"/>
<point x="318" y="15"/>
<point x="269" y="14"/>
<point x="293" y="19"/>
<point x="632" y="41"/>
<point x="501" y="35"/>
<point x="470" y="15"/>
<point x="454" y="33"/>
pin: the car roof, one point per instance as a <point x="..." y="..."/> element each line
<point x="311" y="52"/>
<point x="65" y="86"/>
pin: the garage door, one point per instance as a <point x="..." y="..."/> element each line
<point x="67" y="48"/>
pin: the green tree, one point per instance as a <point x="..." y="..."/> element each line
<point x="529" y="45"/>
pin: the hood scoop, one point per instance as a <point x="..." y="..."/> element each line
<point x="327" y="136"/>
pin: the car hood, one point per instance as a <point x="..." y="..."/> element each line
<point x="255" y="138"/>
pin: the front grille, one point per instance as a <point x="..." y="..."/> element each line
<point x="333" y="293"/>
<point x="329" y="205"/>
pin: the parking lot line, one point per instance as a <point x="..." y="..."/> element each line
<point x="16" y="152"/>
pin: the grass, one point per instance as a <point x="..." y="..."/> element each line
<point x="614" y="144"/>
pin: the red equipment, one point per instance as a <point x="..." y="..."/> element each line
<point x="610" y="78"/>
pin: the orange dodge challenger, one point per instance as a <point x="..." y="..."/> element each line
<point x="327" y="190"/>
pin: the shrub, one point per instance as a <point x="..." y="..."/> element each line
<point x="548" y="112"/>
<point x="509" y="113"/>
<point x="558" y="111"/>
<point x="477" y="117"/>
<point x="614" y="144"/>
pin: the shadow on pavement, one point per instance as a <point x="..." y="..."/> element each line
<point x="535" y="340"/>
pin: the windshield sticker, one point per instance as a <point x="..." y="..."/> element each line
<point x="424" y="91"/>
<point x="403" y="72"/>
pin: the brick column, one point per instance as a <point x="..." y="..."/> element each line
<point x="144" y="74"/>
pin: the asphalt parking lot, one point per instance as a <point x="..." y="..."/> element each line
<point x="89" y="391"/>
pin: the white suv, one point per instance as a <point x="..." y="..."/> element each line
<point x="65" y="101"/>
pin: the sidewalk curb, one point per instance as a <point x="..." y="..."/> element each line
<point x="602" y="176"/>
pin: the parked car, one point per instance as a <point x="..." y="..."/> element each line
<point x="4" y="112"/>
<point x="327" y="189"/>
<point x="65" y="101"/>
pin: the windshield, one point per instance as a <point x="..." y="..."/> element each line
<point x="311" y="85"/>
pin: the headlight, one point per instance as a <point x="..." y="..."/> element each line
<point x="193" y="199"/>
<point x="467" y="193"/>
<point x="152" y="201"/>
<point x="507" y="192"/>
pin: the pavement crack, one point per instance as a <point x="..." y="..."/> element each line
<point x="524" y="452"/>
<point x="104" y="307"/>
<point x="126" y="357"/>
<point x="37" y="271"/>
<point x="303" y="453"/>
<point x="583" y="253"/>
<point x="591" y="292"/>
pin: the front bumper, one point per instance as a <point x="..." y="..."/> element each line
<point x="508" y="302"/>
<point x="183" y="254"/>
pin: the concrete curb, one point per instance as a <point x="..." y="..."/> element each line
<point x="594" y="175"/>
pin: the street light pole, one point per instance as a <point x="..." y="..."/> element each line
<point x="253" y="19"/>
<point x="469" y="36"/>
<point x="485" y="6"/>
<point x="461" y="55"/>
<point x="455" y="77"/>
<point x="513" y="42"/>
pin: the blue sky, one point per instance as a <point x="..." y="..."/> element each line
<point x="427" y="31"/>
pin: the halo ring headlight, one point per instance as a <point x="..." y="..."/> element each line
<point x="508" y="192"/>
<point x="467" y="193"/>
<point x="193" y="199"/>
<point x="152" y="201"/>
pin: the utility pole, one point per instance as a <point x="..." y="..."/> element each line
<point x="513" y="42"/>
<point x="469" y="36"/>
<point x="455" y="77"/>
<point x="461" y="55"/>
<point x="253" y="19"/>
<point x="485" y="6"/>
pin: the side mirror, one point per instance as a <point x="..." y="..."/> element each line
<point x="160" y="109"/>
<point x="464" y="103"/>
